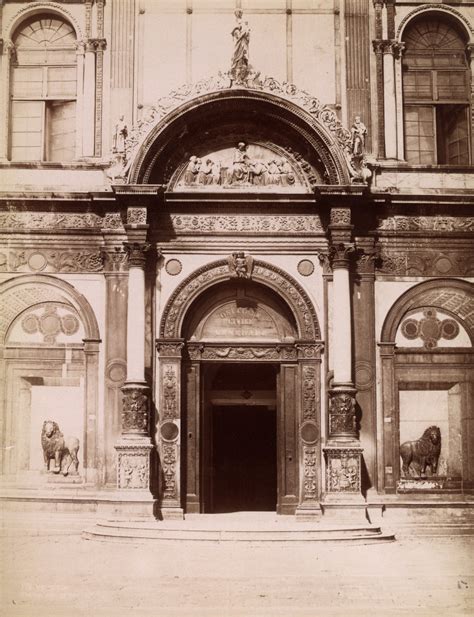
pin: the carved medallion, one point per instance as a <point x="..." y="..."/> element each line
<point x="305" y="267"/>
<point x="430" y="329"/>
<point x="173" y="267"/>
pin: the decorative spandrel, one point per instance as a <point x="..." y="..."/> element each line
<point x="249" y="167"/>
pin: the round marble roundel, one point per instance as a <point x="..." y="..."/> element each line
<point x="169" y="431"/>
<point x="173" y="267"/>
<point x="305" y="267"/>
<point x="37" y="261"/>
<point x="309" y="432"/>
<point x="69" y="324"/>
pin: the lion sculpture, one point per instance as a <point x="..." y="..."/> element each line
<point x="62" y="449"/>
<point x="422" y="453"/>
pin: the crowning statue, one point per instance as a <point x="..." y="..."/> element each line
<point x="240" y="60"/>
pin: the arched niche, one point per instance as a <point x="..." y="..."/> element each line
<point x="427" y="364"/>
<point x="220" y="120"/>
<point x="50" y="341"/>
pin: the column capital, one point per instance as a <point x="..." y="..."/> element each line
<point x="340" y="254"/>
<point x="95" y="44"/>
<point x="115" y="259"/>
<point x="169" y="347"/>
<point x="136" y="252"/>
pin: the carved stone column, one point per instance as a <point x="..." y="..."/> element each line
<point x="116" y="286"/>
<point x="91" y="397"/>
<point x="342" y="451"/>
<point x="134" y="446"/>
<point x="169" y="426"/>
<point x="390" y="49"/>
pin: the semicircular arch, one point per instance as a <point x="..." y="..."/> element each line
<point x="455" y="297"/>
<point x="268" y="275"/>
<point x="22" y="292"/>
<point x="317" y="127"/>
<point x="437" y="10"/>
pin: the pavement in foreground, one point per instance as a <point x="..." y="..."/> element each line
<point x="48" y="569"/>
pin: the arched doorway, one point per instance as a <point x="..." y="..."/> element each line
<point x="239" y="402"/>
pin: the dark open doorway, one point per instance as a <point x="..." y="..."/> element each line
<point x="243" y="439"/>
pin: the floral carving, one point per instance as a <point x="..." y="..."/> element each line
<point x="342" y="420"/>
<point x="269" y="224"/>
<point x="115" y="260"/>
<point x="310" y="483"/>
<point x="137" y="253"/>
<point x="136" y="216"/>
<point x="135" y="410"/>
<point x="169" y="385"/>
<point x="49" y="220"/>
<point x="168" y="465"/>
<point x="309" y="392"/>
<point x="426" y="223"/>
<point x="340" y="216"/>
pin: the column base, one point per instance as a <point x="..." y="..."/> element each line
<point x="171" y="514"/>
<point x="308" y="512"/>
<point x="133" y="464"/>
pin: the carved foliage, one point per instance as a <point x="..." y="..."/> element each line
<point x="428" y="262"/>
<point x="309" y="392"/>
<point x="310" y="481"/>
<point x="168" y="465"/>
<point x="264" y="224"/>
<point x="51" y="261"/>
<point x="169" y="385"/>
<point x="137" y="253"/>
<point x="135" y="410"/>
<point x="343" y="470"/>
<point x="426" y="223"/>
<point x="342" y="420"/>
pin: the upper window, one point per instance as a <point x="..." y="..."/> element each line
<point x="436" y="91"/>
<point x="43" y="91"/>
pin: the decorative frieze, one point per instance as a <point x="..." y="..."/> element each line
<point x="240" y="352"/>
<point x="402" y="223"/>
<point x="49" y="220"/>
<point x="50" y="261"/>
<point x="262" y="224"/>
<point x="427" y="262"/>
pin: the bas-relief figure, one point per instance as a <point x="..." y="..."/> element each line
<point x="246" y="167"/>
<point x="62" y="449"/>
<point x="422" y="453"/>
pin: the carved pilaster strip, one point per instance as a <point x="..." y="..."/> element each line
<point x="379" y="73"/>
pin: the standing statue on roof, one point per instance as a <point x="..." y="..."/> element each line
<point x="240" y="60"/>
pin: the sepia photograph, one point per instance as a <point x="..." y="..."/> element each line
<point x="236" y="308"/>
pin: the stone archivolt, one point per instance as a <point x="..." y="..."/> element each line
<point x="218" y="271"/>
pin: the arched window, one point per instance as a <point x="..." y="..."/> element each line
<point x="436" y="91"/>
<point x="43" y="91"/>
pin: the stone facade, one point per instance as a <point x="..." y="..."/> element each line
<point x="225" y="229"/>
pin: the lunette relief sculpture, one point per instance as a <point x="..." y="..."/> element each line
<point x="63" y="450"/>
<point x="422" y="453"/>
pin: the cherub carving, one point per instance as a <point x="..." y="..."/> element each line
<point x="240" y="265"/>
